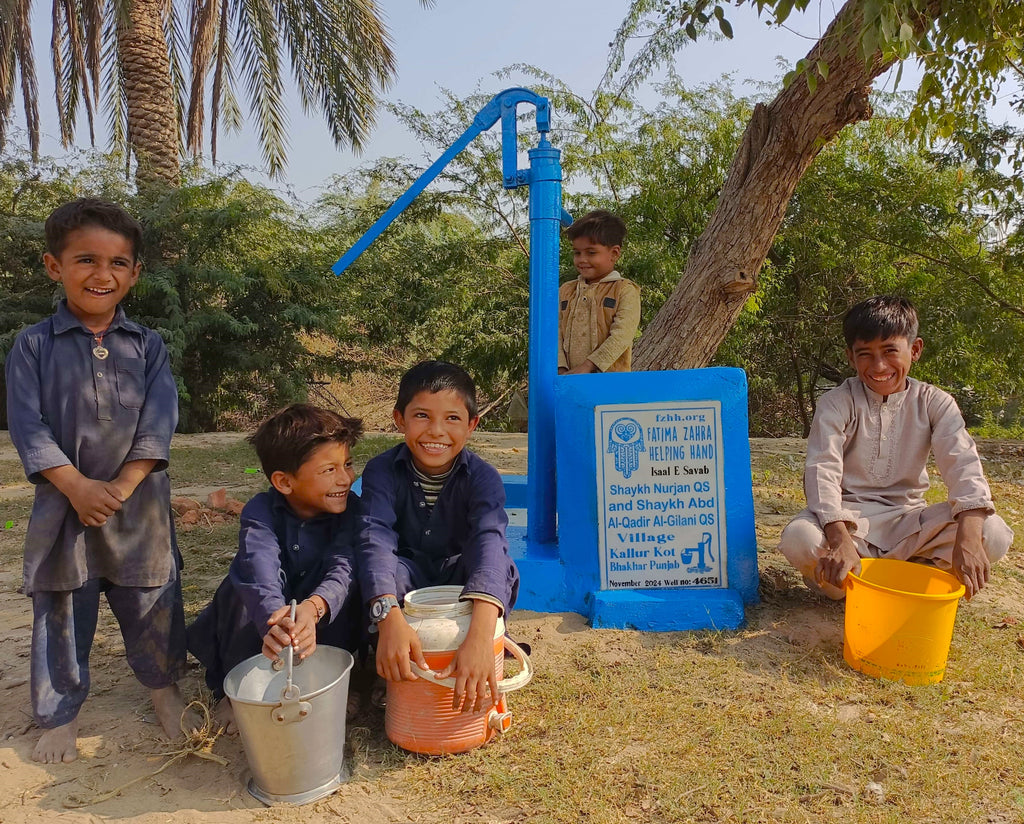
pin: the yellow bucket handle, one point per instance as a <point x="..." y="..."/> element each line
<point x="516" y="682"/>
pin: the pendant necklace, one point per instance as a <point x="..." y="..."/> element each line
<point x="99" y="350"/>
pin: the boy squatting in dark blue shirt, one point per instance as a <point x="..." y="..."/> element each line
<point x="434" y="513"/>
<point x="92" y="405"/>
<point x="296" y="541"/>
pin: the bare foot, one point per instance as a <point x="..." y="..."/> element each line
<point x="57" y="745"/>
<point x="171" y="712"/>
<point x="224" y="716"/>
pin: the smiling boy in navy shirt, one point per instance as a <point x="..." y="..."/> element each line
<point x="433" y="514"/>
<point x="296" y="541"/>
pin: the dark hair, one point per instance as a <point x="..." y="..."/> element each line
<point x="90" y="211"/>
<point x="436" y="376"/>
<point x="286" y="439"/>
<point x="883" y="316"/>
<point x="600" y="226"/>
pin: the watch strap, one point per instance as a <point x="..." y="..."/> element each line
<point x="381" y="606"/>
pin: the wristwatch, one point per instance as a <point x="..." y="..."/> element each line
<point x="381" y="606"/>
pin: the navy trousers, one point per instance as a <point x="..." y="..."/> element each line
<point x="152" y="622"/>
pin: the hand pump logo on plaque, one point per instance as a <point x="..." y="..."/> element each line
<point x="660" y="495"/>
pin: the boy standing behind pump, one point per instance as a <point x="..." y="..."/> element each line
<point x="599" y="312"/>
<point x="866" y="471"/>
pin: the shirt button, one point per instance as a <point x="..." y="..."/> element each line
<point x="422" y="504"/>
<point x="427" y="532"/>
<point x="296" y="548"/>
<point x="99" y="374"/>
<point x="885" y="437"/>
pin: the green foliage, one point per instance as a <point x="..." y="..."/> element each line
<point x="238" y="280"/>
<point x="449" y="278"/>
<point x="967" y="50"/>
<point x="240" y="288"/>
<point x="872" y="216"/>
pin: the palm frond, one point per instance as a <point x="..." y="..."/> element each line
<point x="341" y="58"/>
<point x="92" y="24"/>
<point x="57" y="58"/>
<point x="177" y="45"/>
<point x="77" y="73"/>
<point x="8" y="66"/>
<point x="204" y="24"/>
<point x="22" y="47"/>
<point x="222" y="96"/>
<point x="258" y="58"/>
<point x="116" y="103"/>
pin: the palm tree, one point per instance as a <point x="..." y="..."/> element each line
<point x="156" y="66"/>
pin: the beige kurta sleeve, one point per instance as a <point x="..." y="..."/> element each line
<point x="563" y="295"/>
<point x="623" y="328"/>
<point x="823" y="470"/>
<point x="956" y="456"/>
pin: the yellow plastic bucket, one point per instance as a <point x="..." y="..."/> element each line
<point x="899" y="620"/>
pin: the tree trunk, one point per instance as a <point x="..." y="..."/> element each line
<point x="152" y="123"/>
<point x="778" y="145"/>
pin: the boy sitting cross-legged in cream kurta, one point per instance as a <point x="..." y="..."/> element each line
<point x="866" y="474"/>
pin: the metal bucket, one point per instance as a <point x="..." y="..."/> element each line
<point x="292" y="723"/>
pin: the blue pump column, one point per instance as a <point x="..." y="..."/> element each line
<point x="545" y="219"/>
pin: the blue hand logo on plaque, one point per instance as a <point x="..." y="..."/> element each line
<point x="626" y="441"/>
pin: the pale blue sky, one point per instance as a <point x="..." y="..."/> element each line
<point x="458" y="44"/>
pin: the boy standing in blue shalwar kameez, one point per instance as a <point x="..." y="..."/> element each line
<point x="92" y="406"/>
<point x="296" y="541"/>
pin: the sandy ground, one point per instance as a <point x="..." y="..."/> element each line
<point x="120" y="741"/>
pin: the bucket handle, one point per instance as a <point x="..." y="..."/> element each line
<point x="516" y="682"/>
<point x="290" y="709"/>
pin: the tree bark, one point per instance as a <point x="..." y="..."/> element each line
<point x="146" y="68"/>
<point x="778" y="145"/>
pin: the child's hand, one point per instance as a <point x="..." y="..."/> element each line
<point x="473" y="668"/>
<point x="131" y="475"/>
<point x="970" y="561"/>
<point x="839" y="559"/>
<point x="584" y="368"/>
<point x="94" y="501"/>
<point x="398" y="644"/>
<point x="300" y="634"/>
<point x="473" y="664"/>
